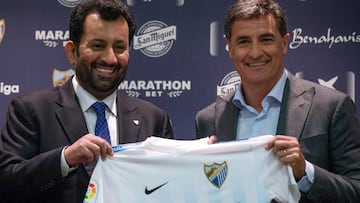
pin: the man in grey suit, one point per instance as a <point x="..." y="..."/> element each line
<point x="317" y="131"/>
<point x="48" y="147"/>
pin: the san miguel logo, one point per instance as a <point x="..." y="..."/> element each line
<point x="2" y="29"/>
<point x="155" y="38"/>
<point x="229" y="84"/>
<point x="216" y="173"/>
<point x="69" y="3"/>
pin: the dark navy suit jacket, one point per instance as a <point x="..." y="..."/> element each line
<point x="325" y="123"/>
<point x="39" y="125"/>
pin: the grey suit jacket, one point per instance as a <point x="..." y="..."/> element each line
<point x="325" y="123"/>
<point x="39" y="125"/>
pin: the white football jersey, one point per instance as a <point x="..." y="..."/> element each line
<point x="161" y="170"/>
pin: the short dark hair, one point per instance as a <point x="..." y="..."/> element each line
<point x="108" y="9"/>
<point x="248" y="9"/>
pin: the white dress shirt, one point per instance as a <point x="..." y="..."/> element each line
<point x="85" y="101"/>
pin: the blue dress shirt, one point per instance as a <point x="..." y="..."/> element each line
<point x="251" y="123"/>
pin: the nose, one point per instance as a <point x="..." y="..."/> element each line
<point x="110" y="56"/>
<point x="255" y="50"/>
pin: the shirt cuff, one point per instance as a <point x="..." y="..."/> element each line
<point x="65" y="168"/>
<point x="306" y="181"/>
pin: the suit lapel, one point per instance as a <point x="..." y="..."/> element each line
<point x="69" y="113"/>
<point x="297" y="101"/>
<point x="129" y="120"/>
<point x="225" y="118"/>
<point x="71" y="118"/>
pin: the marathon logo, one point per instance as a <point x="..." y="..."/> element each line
<point x="52" y="38"/>
<point x="155" y="88"/>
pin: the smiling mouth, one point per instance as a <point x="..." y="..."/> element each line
<point x="106" y="69"/>
<point x="256" y="64"/>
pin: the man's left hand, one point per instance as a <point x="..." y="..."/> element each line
<point x="288" y="150"/>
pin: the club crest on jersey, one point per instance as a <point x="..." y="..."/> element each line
<point x="60" y="77"/>
<point x="216" y="173"/>
<point x="91" y="192"/>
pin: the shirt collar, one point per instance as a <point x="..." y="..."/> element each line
<point x="86" y="99"/>
<point x="276" y="92"/>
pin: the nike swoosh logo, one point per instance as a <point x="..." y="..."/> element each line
<point x="148" y="192"/>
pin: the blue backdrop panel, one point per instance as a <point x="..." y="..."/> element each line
<point x="178" y="59"/>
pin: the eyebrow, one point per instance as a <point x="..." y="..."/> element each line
<point x="104" y="41"/>
<point x="268" y="34"/>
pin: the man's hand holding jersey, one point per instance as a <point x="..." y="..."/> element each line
<point x="288" y="150"/>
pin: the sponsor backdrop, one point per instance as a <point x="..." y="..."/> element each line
<point x="178" y="59"/>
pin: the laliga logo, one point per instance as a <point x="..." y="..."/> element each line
<point x="2" y="29"/>
<point x="91" y="192"/>
<point x="69" y="3"/>
<point x="155" y="38"/>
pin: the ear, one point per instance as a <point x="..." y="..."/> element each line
<point x="286" y="39"/>
<point x="228" y="48"/>
<point x="70" y="51"/>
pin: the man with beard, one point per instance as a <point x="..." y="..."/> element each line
<point x="48" y="147"/>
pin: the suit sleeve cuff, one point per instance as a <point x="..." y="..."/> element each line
<point x="306" y="181"/>
<point x="65" y="168"/>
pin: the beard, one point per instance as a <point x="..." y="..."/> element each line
<point x="96" y="84"/>
<point x="104" y="85"/>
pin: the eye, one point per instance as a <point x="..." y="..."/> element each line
<point x="97" y="46"/>
<point x="242" y="42"/>
<point x="120" y="47"/>
<point x="267" y="40"/>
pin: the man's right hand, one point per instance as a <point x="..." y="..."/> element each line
<point x="212" y="139"/>
<point x="87" y="149"/>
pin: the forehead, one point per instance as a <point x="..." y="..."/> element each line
<point x="94" y="25"/>
<point x="255" y="26"/>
